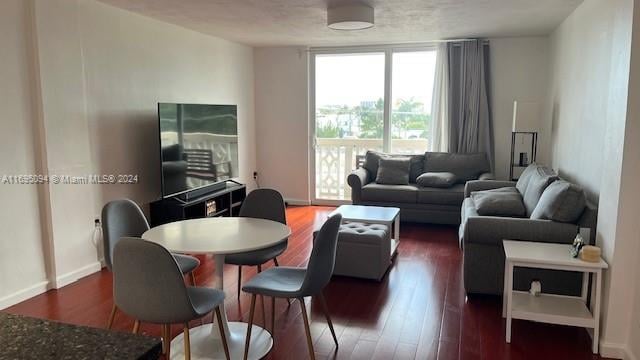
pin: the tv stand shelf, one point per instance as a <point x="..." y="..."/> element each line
<point x="222" y="202"/>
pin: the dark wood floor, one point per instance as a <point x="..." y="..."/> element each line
<point x="419" y="310"/>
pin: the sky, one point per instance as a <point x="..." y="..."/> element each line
<point x="348" y="79"/>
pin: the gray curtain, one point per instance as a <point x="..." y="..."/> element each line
<point x="470" y="123"/>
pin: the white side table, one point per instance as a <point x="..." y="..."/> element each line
<point x="550" y="308"/>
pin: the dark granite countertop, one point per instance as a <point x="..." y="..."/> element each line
<point x="24" y="337"/>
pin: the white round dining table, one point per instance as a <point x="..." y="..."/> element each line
<point x="219" y="236"/>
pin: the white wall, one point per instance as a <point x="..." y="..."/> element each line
<point x="85" y="103"/>
<point x="132" y="66"/>
<point x="630" y="202"/>
<point x="282" y="120"/>
<point x="21" y="246"/>
<point x="588" y="113"/>
<point x="519" y="71"/>
<point x="66" y="135"/>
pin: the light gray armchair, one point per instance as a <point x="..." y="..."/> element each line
<point x="260" y="204"/>
<point x="124" y="218"/>
<point x="290" y="282"/>
<point x="148" y="285"/>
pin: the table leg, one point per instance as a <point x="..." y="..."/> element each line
<point x="396" y="230"/>
<point x="504" y="289"/>
<point x="509" y="300"/>
<point x="218" y="283"/>
<point x="596" y="312"/>
<point x="585" y="286"/>
<point x="206" y="340"/>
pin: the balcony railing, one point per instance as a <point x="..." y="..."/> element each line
<point x="336" y="158"/>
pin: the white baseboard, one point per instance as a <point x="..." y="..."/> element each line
<point x="70" y="277"/>
<point x="297" y="202"/>
<point x="24" y="294"/>
<point x="615" y="351"/>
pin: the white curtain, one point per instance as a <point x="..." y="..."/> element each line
<point x="440" y="102"/>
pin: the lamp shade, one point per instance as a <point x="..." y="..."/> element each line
<point x="526" y="117"/>
<point x="350" y="16"/>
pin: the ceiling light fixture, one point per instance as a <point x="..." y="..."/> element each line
<point x="350" y="16"/>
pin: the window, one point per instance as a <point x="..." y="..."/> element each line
<point x="411" y="92"/>
<point x="378" y="100"/>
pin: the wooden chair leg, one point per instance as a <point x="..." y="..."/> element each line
<point x="112" y="316"/>
<point x="136" y="326"/>
<point x="192" y="277"/>
<point x="187" y="342"/>
<point x="325" y="310"/>
<point x="239" y="280"/>
<point x="167" y="331"/>
<point x="249" y="326"/>
<point x="307" y="329"/>
<point x="273" y="315"/>
<point x="264" y="314"/>
<point x="225" y="345"/>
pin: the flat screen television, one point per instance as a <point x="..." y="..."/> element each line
<point x="198" y="147"/>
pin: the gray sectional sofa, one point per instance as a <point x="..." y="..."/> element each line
<point x="437" y="205"/>
<point x="553" y="211"/>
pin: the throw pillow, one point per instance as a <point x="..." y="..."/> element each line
<point x="436" y="179"/>
<point x="393" y="171"/>
<point x="561" y="201"/>
<point x="371" y="162"/>
<point x="505" y="201"/>
<point x="539" y="179"/>
<point x="524" y="178"/>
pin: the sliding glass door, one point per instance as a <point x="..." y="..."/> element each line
<point x="377" y="100"/>
<point x="411" y="92"/>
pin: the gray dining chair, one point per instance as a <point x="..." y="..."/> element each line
<point x="156" y="292"/>
<point x="261" y="204"/>
<point x="124" y="218"/>
<point x="290" y="282"/>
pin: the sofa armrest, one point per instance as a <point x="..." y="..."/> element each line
<point x="491" y="230"/>
<point x="486" y="176"/>
<point x="479" y="185"/>
<point x="357" y="179"/>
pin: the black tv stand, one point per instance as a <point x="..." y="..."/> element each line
<point x="224" y="201"/>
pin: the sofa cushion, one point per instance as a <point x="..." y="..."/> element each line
<point x="416" y="168"/>
<point x="505" y="201"/>
<point x="539" y="179"/>
<point x="561" y="201"/>
<point x="464" y="166"/>
<point x="436" y="179"/>
<point x="393" y="171"/>
<point x="390" y="193"/>
<point x="441" y="196"/>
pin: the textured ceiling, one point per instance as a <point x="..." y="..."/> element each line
<point x="303" y="22"/>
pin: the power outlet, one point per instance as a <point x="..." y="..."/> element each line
<point x="255" y="175"/>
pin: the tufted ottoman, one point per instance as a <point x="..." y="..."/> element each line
<point x="364" y="250"/>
